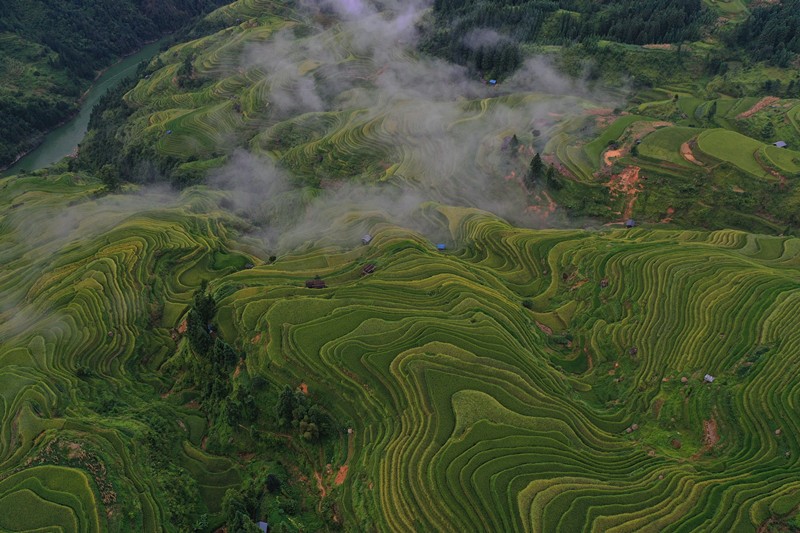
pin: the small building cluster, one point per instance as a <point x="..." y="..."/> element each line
<point x="315" y="284"/>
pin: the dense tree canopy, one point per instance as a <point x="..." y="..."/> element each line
<point x="772" y="32"/>
<point x="461" y="35"/>
<point x="62" y="45"/>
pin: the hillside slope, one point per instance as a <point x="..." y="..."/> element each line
<point x="50" y="52"/>
<point x="520" y="380"/>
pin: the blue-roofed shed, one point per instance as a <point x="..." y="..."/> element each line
<point x="263" y="526"/>
<point x="441" y="247"/>
<point x="630" y="223"/>
<point x="781" y="144"/>
<point x="492" y="82"/>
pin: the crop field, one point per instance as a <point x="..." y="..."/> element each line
<point x="665" y="145"/>
<point x="79" y="290"/>
<point x="734" y="148"/>
<point x="460" y="399"/>
<point x="495" y="383"/>
<point x="508" y="379"/>
<point x="331" y="112"/>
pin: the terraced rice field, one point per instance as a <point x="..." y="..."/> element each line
<point x="459" y="397"/>
<point x="80" y="339"/>
<point x="519" y="380"/>
<point x="665" y="145"/>
<point x="745" y="152"/>
<point x="567" y="413"/>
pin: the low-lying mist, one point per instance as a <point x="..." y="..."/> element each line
<point x="441" y="126"/>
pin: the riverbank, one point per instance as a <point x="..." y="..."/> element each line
<point x="62" y="140"/>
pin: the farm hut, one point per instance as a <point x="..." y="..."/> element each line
<point x="263" y="526"/>
<point x="366" y="239"/>
<point x="169" y="132"/>
<point x="369" y="268"/>
<point x="630" y="223"/>
<point x="604" y="283"/>
<point x="315" y="284"/>
<point x="492" y="82"/>
<point x="441" y="247"/>
<point x="781" y="144"/>
<point x="708" y="378"/>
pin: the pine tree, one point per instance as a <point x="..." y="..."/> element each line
<point x="535" y="170"/>
<point x="285" y="407"/>
<point x="552" y="178"/>
<point x="712" y="111"/>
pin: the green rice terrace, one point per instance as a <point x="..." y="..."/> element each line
<point x="518" y="380"/>
<point x="334" y="108"/>
<point x="301" y="273"/>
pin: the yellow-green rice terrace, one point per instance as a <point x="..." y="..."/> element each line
<point x="531" y="380"/>
<point x="350" y="310"/>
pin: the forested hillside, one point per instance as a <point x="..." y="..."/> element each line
<point x="772" y="32"/>
<point x="51" y="50"/>
<point x="461" y="27"/>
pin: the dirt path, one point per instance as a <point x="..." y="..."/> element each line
<point x="686" y="152"/>
<point x="341" y="475"/>
<point x="627" y="183"/>
<point x="321" y="486"/>
<point x="710" y="437"/>
<point x="774" y="173"/>
<point x="579" y="284"/>
<point x="761" y="104"/>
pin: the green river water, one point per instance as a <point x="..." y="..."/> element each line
<point x="63" y="140"/>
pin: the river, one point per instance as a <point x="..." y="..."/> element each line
<point x="63" y="140"/>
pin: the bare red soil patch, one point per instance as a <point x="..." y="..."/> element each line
<point x="626" y="183"/>
<point x="341" y="475"/>
<point x="761" y="104"/>
<point x="710" y="437"/>
<point x="611" y="154"/>
<point x="544" y="328"/>
<point x="687" y="154"/>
